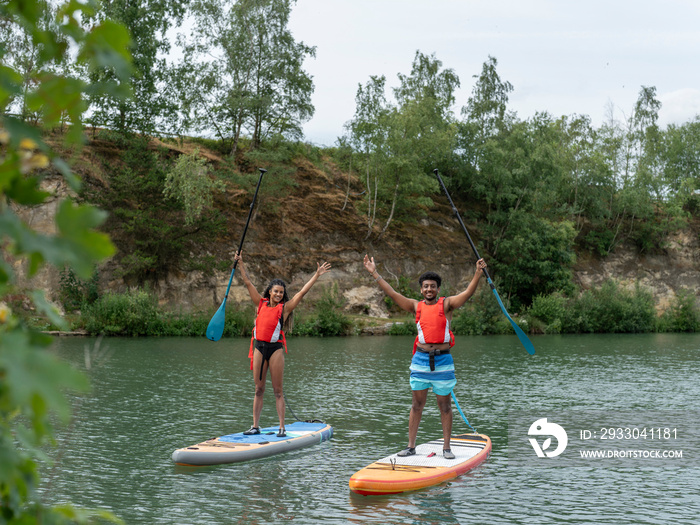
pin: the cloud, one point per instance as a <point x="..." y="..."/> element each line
<point x="679" y="106"/>
<point x="561" y="57"/>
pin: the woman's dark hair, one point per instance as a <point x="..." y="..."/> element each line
<point x="288" y="325"/>
<point x="430" y="276"/>
<point x="276" y="282"/>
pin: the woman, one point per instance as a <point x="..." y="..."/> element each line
<point x="274" y="309"/>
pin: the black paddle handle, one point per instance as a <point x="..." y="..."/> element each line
<point x="461" y="222"/>
<point x="250" y="213"/>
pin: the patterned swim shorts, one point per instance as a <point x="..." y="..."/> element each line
<point x="442" y="379"/>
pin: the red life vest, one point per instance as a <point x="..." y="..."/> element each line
<point x="268" y="326"/>
<point x="433" y="326"/>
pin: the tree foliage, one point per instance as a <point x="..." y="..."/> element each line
<point x="243" y="72"/>
<point x="33" y="382"/>
<point x="367" y="133"/>
<point x="535" y="189"/>
<point x="21" y="54"/>
<point x="400" y="141"/>
<point x="189" y="183"/>
<point x="155" y="234"/>
<point x="153" y="105"/>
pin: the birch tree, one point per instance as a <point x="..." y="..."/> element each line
<point x="368" y="132"/>
<point x="243" y="74"/>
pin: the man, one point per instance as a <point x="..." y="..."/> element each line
<point x="432" y="364"/>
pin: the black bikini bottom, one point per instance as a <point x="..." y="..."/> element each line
<point x="267" y="349"/>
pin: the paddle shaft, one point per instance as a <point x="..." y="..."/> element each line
<point x="459" y="218"/>
<point x="245" y="230"/>
<point x="518" y="331"/>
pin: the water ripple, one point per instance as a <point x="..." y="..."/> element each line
<point x="152" y="396"/>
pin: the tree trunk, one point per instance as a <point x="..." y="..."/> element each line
<point x="347" y="191"/>
<point x="236" y="135"/>
<point x="370" y="219"/>
<point x="391" y="214"/>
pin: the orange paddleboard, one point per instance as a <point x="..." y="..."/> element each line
<point x="394" y="474"/>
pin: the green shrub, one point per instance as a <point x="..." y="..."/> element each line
<point x="408" y="327"/>
<point x="580" y="315"/>
<point x="502" y="326"/>
<point x="219" y="146"/>
<point x="549" y="308"/>
<point x="469" y="321"/>
<point x="279" y="150"/>
<point x="328" y="320"/>
<point x="189" y="183"/>
<point x="682" y="315"/>
<point x="621" y="310"/>
<point x="482" y="315"/>
<point x="536" y="257"/>
<point x="533" y="325"/>
<point x="598" y="241"/>
<point x="611" y="309"/>
<point x="651" y="234"/>
<point x="184" y="325"/>
<point x="132" y="313"/>
<point x="154" y="234"/>
<point x="75" y="293"/>
<point x="554" y="327"/>
<point x="239" y="322"/>
<point x="607" y="309"/>
<point x="136" y="313"/>
<point x="548" y="313"/>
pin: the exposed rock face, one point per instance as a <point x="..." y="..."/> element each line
<point x="664" y="275"/>
<point x="288" y="246"/>
<point x="366" y="300"/>
<point x="42" y="220"/>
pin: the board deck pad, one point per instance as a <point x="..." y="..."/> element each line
<point x="423" y="458"/>
<point x="233" y="448"/>
<point x="395" y="474"/>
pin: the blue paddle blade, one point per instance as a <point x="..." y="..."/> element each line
<point x="523" y="338"/>
<point x="518" y="331"/>
<point x="216" y="326"/>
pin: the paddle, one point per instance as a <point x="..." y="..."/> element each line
<point x="459" y="409"/>
<point x="518" y="331"/>
<point x="216" y="326"/>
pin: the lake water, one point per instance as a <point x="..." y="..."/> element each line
<point x="150" y="396"/>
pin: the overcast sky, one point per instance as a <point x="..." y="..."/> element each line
<point x="565" y="57"/>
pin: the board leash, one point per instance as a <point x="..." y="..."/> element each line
<point x="289" y="407"/>
<point x="295" y="416"/>
<point x="459" y="409"/>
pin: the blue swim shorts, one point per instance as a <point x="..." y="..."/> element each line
<point x="442" y="379"/>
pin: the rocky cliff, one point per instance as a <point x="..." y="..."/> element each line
<point x="318" y="221"/>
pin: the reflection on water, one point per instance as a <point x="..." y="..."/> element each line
<point x="151" y="396"/>
<point x="435" y="506"/>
